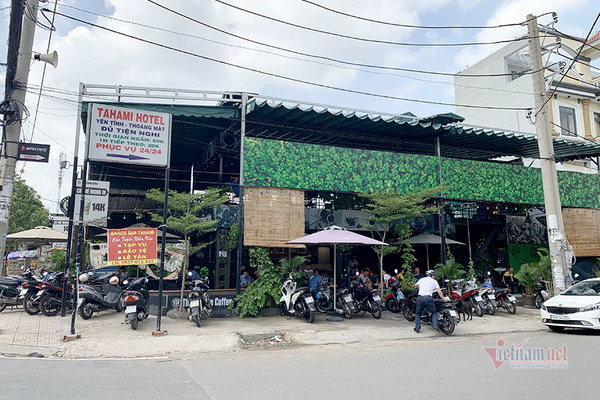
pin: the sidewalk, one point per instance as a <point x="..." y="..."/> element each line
<point x="106" y="336"/>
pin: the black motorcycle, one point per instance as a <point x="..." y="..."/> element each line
<point x="136" y="299"/>
<point x="365" y="299"/>
<point x="344" y="303"/>
<point x="199" y="306"/>
<point x="447" y="315"/>
<point x="49" y="298"/>
<point x="104" y="294"/>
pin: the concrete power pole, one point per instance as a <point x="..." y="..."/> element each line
<point x="12" y="131"/>
<point x="554" y="221"/>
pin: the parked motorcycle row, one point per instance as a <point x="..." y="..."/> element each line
<point x="95" y="293"/>
<point x="466" y="298"/>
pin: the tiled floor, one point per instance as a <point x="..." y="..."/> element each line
<point x="19" y="328"/>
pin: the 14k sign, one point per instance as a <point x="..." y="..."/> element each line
<point x="131" y="246"/>
<point x="127" y="135"/>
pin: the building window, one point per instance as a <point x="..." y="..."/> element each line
<point x="518" y="63"/>
<point x="567" y="121"/>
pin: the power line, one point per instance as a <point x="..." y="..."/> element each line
<point x="359" y="38"/>
<point x="274" y="75"/>
<point x="326" y="58"/>
<point x="570" y="66"/>
<point x="416" y="26"/>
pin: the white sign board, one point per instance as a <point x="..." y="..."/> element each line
<point x="60" y="223"/>
<point x="127" y="135"/>
<point x="95" y="210"/>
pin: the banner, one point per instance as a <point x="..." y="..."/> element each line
<point x="131" y="246"/>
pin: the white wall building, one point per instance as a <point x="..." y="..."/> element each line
<point x="574" y="102"/>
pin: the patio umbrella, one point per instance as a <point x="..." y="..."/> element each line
<point x="39" y="234"/>
<point x="335" y="235"/>
<point x="430" y="238"/>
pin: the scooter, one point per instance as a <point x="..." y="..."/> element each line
<point x="366" y="299"/>
<point x="106" y="295"/>
<point x="447" y="315"/>
<point x="297" y="301"/>
<point x="136" y="299"/>
<point x="468" y="291"/>
<point x="200" y="307"/>
<point x="541" y="294"/>
<point x="506" y="300"/>
<point x="344" y="303"/>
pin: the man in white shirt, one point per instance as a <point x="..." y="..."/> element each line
<point x="427" y="286"/>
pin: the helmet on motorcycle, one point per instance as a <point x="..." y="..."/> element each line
<point x="114" y="280"/>
<point x="84" y="278"/>
<point x="430" y="273"/>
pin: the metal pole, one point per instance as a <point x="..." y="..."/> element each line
<point x="438" y="150"/>
<point x="15" y="93"/>
<point x="240" y="244"/>
<point x="71" y="212"/>
<point x="556" y="238"/>
<point x="80" y="230"/>
<point x="163" y="243"/>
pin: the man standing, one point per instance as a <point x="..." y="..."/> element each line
<point x="509" y="279"/>
<point x="427" y="286"/>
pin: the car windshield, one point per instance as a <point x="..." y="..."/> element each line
<point x="591" y="288"/>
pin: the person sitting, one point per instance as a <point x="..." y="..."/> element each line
<point x="417" y="273"/>
<point x="364" y="280"/>
<point x="315" y="281"/>
<point x="245" y="279"/>
<point x="195" y="276"/>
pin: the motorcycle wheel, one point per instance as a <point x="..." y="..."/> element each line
<point x="390" y="304"/>
<point x="348" y="313"/>
<point x="29" y="306"/>
<point x="85" y="310"/>
<point x="118" y="307"/>
<point x="537" y="303"/>
<point x="309" y="315"/>
<point x="197" y="320"/>
<point x="511" y="308"/>
<point x="477" y="308"/>
<point x="2" y="306"/>
<point x="49" y="305"/>
<point x="284" y="310"/>
<point x="375" y="309"/>
<point x="447" y="326"/>
<point x="134" y="323"/>
<point x="406" y="311"/>
<point x="490" y="308"/>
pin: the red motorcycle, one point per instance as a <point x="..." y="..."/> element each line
<point x="468" y="291"/>
<point x="396" y="297"/>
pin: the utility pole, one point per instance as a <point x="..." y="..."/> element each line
<point x="15" y="95"/>
<point x="554" y="221"/>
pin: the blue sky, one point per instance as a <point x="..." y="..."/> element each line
<point x="91" y="55"/>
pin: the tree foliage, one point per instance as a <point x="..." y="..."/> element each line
<point x="26" y="208"/>
<point x="397" y="210"/>
<point x="188" y="214"/>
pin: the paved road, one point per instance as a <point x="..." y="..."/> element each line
<point x="451" y="367"/>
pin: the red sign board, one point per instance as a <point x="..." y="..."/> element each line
<point x="131" y="246"/>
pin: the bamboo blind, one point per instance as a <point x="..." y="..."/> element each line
<point x="273" y="216"/>
<point x="582" y="228"/>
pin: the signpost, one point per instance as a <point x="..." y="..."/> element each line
<point x="33" y="152"/>
<point x="95" y="210"/>
<point x="131" y="246"/>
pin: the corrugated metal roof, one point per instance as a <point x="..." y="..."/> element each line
<point x="404" y="133"/>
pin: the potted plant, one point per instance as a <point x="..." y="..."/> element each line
<point x="528" y="277"/>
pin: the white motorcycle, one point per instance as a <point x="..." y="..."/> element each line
<point x="297" y="301"/>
